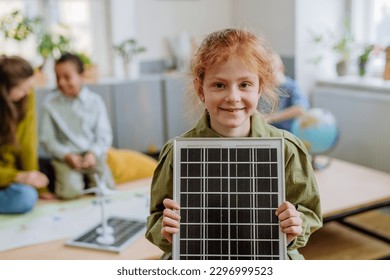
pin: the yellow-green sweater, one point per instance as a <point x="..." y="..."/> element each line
<point x="23" y="158"/>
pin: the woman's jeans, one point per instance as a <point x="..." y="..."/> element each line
<point x="17" y="199"/>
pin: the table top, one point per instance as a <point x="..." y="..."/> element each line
<point x="346" y="187"/>
<point x="57" y="250"/>
<point x="343" y="187"/>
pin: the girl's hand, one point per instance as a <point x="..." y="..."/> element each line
<point x="32" y="178"/>
<point x="170" y="221"/>
<point x="290" y="220"/>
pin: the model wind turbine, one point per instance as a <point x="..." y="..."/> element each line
<point x="113" y="233"/>
<point x="106" y="232"/>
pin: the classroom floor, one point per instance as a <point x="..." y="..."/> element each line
<point x="338" y="242"/>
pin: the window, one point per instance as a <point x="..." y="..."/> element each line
<point x="370" y="24"/>
<point x="10" y="46"/>
<point x="381" y="22"/>
<point x="79" y="16"/>
<point x="76" y="15"/>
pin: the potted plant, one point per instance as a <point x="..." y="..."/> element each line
<point x="363" y="59"/>
<point x="339" y="43"/>
<point x="17" y="26"/>
<point x="343" y="47"/>
<point x="127" y="49"/>
<point x="51" y="44"/>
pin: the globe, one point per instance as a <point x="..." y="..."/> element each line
<point x="317" y="129"/>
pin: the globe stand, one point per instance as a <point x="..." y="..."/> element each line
<point x="320" y="164"/>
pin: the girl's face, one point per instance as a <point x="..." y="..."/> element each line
<point x="69" y="80"/>
<point x="230" y="93"/>
<point x="21" y="90"/>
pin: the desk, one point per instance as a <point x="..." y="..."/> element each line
<point x="345" y="189"/>
<point x="57" y="250"/>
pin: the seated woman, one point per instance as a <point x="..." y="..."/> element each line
<point x="19" y="175"/>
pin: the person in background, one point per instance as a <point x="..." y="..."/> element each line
<point x="19" y="175"/>
<point x="231" y="70"/>
<point x="76" y="131"/>
<point x="292" y="102"/>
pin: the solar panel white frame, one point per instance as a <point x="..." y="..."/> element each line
<point x="232" y="238"/>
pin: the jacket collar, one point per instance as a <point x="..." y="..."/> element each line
<point x="258" y="126"/>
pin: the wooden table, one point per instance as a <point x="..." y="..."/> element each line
<point x="57" y="250"/>
<point x="345" y="189"/>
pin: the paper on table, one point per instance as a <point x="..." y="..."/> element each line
<point x="60" y="220"/>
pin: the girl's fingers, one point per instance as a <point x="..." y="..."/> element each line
<point x="170" y="221"/>
<point x="283" y="207"/>
<point x="167" y="232"/>
<point x="290" y="220"/>
<point x="166" y="221"/>
<point x="295" y="221"/>
<point x="171" y="204"/>
<point x="171" y="214"/>
<point x="289" y="213"/>
<point x="293" y="231"/>
<point x="286" y="210"/>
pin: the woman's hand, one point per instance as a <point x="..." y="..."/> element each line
<point x="170" y="221"/>
<point x="290" y="220"/>
<point x="32" y="178"/>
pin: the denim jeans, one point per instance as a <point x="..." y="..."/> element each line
<point x="17" y="199"/>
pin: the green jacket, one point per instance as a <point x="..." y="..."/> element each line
<point x="23" y="158"/>
<point x="301" y="186"/>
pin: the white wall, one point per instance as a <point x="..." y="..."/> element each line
<point x="320" y="16"/>
<point x="122" y="26"/>
<point x="287" y="24"/>
<point x="284" y="23"/>
<point x="273" y="19"/>
<point x="153" y="22"/>
<point x="156" y="21"/>
<point x="100" y="15"/>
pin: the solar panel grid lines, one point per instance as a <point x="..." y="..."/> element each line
<point x="228" y="190"/>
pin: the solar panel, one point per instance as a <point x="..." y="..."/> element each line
<point x="228" y="190"/>
<point x="125" y="232"/>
